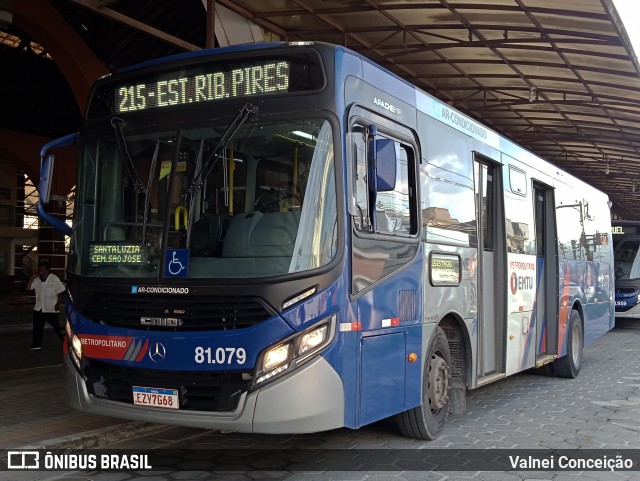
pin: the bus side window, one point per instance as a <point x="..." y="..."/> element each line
<point x="393" y="214"/>
<point x="393" y="206"/>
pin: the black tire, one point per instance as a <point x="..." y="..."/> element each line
<point x="569" y="366"/>
<point x="546" y="370"/>
<point x="428" y="420"/>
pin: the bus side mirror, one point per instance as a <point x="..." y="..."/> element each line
<point x="44" y="185"/>
<point x="382" y="162"/>
<point x="46" y="170"/>
<point x="386" y="165"/>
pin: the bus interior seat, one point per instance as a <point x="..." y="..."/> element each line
<point x="236" y="242"/>
<point x="254" y="234"/>
<point x="116" y="233"/>
<point x="254" y="244"/>
<point x="207" y="235"/>
<point x="275" y="234"/>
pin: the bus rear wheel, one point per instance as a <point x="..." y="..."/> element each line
<point x="428" y="420"/>
<point x="569" y="366"/>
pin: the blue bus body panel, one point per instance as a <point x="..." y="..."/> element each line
<point x="390" y="316"/>
<point x="388" y="82"/>
<point x="600" y="310"/>
<point x="347" y="65"/>
<point x="135" y="348"/>
<point x="570" y="292"/>
<point x="378" y="379"/>
<point x="597" y="310"/>
<point x="315" y="308"/>
<point x="382" y="375"/>
<point x="132" y="347"/>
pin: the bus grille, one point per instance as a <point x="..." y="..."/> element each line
<point x="184" y="313"/>
<point x="628" y="291"/>
<point x="197" y="391"/>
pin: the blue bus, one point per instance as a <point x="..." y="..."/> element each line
<point x="626" y="256"/>
<point x="288" y="238"/>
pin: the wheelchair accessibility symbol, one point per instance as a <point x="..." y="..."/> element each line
<point x="176" y="264"/>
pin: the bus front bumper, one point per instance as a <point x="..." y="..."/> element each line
<point x="633" y="313"/>
<point x="310" y="399"/>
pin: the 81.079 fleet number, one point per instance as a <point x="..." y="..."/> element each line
<point x="220" y="355"/>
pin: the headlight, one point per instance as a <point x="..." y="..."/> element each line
<point x="294" y="351"/>
<point x="75" y="346"/>
<point x="312" y="339"/>
<point x="276" y="356"/>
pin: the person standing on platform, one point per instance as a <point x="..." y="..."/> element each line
<point x="49" y="291"/>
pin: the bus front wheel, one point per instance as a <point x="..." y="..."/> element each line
<point x="428" y="420"/>
<point x="569" y="366"/>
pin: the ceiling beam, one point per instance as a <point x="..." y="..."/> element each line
<point x="424" y="6"/>
<point x="135" y="24"/>
<point x="267" y="25"/>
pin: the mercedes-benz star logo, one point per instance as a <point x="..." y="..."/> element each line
<point x="157" y="353"/>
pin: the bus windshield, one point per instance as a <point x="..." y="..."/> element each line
<point x="262" y="203"/>
<point x="626" y="258"/>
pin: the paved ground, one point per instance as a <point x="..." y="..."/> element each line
<point x="599" y="410"/>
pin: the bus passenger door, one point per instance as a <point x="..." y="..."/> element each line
<point x="491" y="269"/>
<point x="386" y="266"/>
<point x="547" y="270"/>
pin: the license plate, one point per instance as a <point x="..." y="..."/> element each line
<point x="156" y="397"/>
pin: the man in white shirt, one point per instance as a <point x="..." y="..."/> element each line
<point x="49" y="291"/>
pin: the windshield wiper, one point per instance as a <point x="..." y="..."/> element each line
<point x="210" y="163"/>
<point x="193" y="193"/>
<point x="116" y="123"/>
<point x="152" y="173"/>
<point x="203" y="171"/>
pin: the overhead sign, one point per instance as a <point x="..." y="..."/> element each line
<point x="625" y="229"/>
<point x="257" y="79"/>
<point x="116" y="253"/>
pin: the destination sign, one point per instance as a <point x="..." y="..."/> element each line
<point x="444" y="269"/>
<point x="270" y="77"/>
<point x="116" y="253"/>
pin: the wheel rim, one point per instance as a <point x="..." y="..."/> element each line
<point x="438" y="383"/>
<point x="576" y="345"/>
